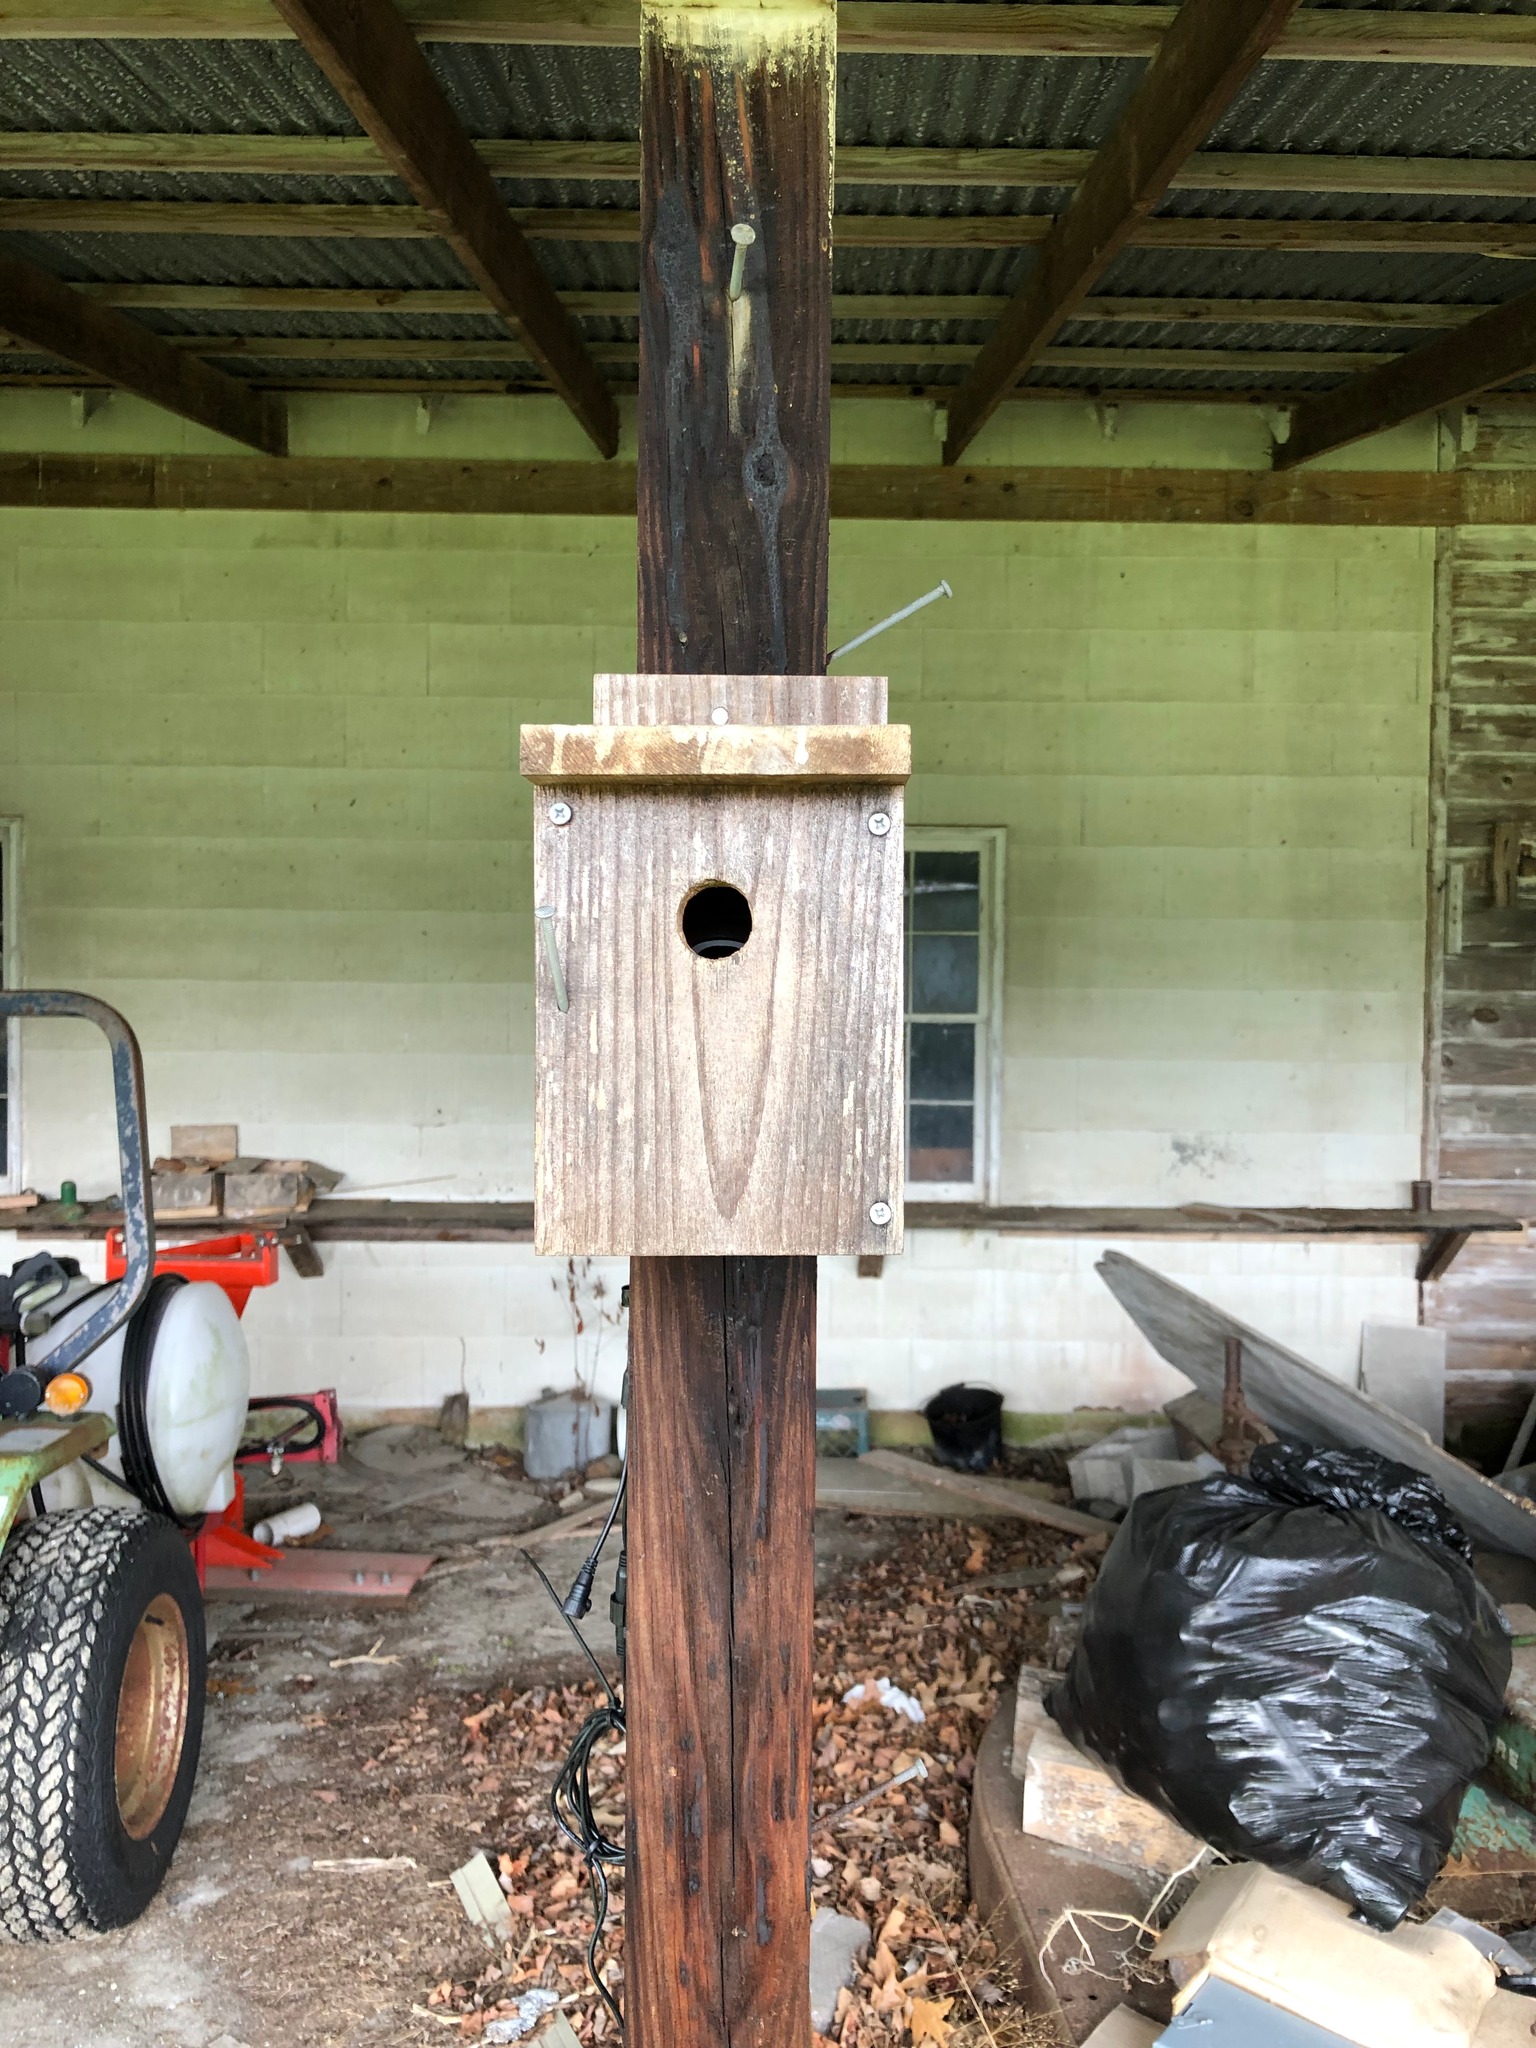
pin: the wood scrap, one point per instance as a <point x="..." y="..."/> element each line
<point x="994" y="1496"/>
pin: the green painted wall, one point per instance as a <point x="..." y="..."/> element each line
<point x="266" y="772"/>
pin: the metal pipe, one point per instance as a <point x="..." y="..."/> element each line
<point x="133" y="1161"/>
<point x="929" y="597"/>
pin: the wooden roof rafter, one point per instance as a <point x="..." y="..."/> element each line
<point x="369" y="54"/>
<point x="1487" y="352"/>
<point x="59" y="321"/>
<point x="1209" y="50"/>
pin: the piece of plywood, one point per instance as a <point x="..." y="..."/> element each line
<point x="1071" y="1799"/>
<point x="991" y="1496"/>
<point x="803" y="754"/>
<point x="1402" y="1365"/>
<point x="687" y="1106"/>
<point x="1302" y="1400"/>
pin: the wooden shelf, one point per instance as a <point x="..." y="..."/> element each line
<point x="1441" y="1232"/>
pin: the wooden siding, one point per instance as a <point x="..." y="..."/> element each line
<point x="1481" y="1123"/>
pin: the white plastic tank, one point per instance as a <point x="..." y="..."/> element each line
<point x="197" y="1388"/>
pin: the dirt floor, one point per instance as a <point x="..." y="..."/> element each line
<point x="393" y="1768"/>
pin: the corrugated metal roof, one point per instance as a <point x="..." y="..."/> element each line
<point x="556" y="93"/>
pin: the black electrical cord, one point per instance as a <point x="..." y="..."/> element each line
<point x="570" y="1799"/>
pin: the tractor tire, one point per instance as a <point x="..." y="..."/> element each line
<point x="103" y="1666"/>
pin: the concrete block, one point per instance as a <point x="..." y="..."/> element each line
<point x="1104" y="1472"/>
<point x="837" y="1942"/>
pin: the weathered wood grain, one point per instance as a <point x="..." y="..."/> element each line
<point x="694" y="1107"/>
<point x="802" y="755"/>
<point x="734" y="433"/>
<point x="722" y="1430"/>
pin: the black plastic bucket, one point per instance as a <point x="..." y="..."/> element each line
<point x="966" y="1424"/>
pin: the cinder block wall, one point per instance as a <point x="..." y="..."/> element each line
<point x="266" y="768"/>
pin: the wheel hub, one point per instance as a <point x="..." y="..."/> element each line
<point x="152" y="1715"/>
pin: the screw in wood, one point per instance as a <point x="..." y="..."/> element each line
<point x="560" y="812"/>
<point x="720" y="716"/>
<point x="743" y="236"/>
<point x="880" y="1214"/>
<point x="879" y="823"/>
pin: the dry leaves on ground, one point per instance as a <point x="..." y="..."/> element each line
<point x="931" y="1974"/>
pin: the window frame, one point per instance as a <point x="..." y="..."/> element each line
<point x="989" y="842"/>
<point x="11" y="977"/>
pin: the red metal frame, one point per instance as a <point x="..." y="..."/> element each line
<point x="222" y="1540"/>
<point x="238" y="1263"/>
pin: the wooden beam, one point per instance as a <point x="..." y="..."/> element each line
<point x="1209" y="50"/>
<point x="327" y="222"/>
<point x="1199" y="497"/>
<point x="48" y="315"/>
<point x="1460" y="365"/>
<point x="355" y="156"/>
<point x="983" y="28"/>
<point x="369" y="54"/>
<point x="216" y="298"/>
<point x="849" y="354"/>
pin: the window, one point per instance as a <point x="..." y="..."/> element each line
<point x="952" y="990"/>
<point x="10" y="977"/>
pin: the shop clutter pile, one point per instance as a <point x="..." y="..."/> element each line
<point x="1296" y="1710"/>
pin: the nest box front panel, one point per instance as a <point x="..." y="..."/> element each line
<point x="726" y="1075"/>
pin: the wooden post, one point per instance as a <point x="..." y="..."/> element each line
<point x="734" y="441"/>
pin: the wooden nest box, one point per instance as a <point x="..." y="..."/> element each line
<point x="718" y="1039"/>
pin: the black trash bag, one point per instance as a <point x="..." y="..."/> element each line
<point x="966" y="1424"/>
<point x="1301" y="1667"/>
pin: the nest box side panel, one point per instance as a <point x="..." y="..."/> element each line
<point x="694" y="1106"/>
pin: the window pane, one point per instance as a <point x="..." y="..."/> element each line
<point x="941" y="1063"/>
<point x="941" y="1145"/>
<point x="946" y="892"/>
<point x="945" y="975"/>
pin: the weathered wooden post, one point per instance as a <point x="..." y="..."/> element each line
<point x="718" y="867"/>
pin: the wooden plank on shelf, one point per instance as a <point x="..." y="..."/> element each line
<point x="370" y="55"/>
<point x="1208" y="51"/>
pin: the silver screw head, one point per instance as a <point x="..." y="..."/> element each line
<point x="880" y="1214"/>
<point x="879" y="823"/>
<point x="560" y="812"/>
<point x="720" y="716"/>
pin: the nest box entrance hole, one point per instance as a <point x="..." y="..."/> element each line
<point x="716" y="921"/>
